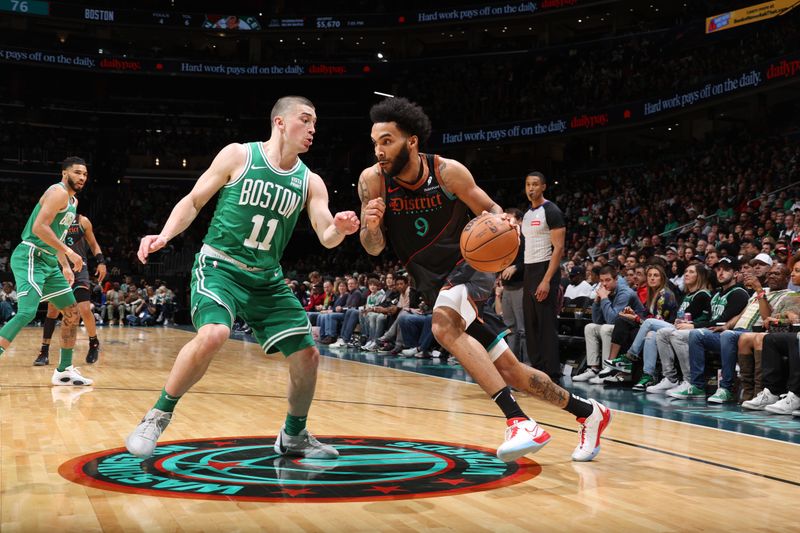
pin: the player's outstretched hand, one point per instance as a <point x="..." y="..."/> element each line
<point x="346" y="222"/>
<point x="512" y="221"/>
<point x="150" y="244"/>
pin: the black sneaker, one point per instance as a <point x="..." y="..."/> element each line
<point x="43" y="359"/>
<point x="93" y="354"/>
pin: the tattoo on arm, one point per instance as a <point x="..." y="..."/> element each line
<point x="374" y="242"/>
<point x="541" y="386"/>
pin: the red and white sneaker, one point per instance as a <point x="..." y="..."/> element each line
<point x="522" y="436"/>
<point x="591" y="429"/>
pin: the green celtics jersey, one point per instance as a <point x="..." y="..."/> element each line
<point x="257" y="211"/>
<point x="59" y="225"/>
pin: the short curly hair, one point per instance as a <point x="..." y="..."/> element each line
<point x="409" y="116"/>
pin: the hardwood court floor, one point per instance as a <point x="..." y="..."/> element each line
<point x="652" y="475"/>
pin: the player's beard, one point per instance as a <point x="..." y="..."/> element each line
<point x="74" y="185"/>
<point x="399" y="163"/>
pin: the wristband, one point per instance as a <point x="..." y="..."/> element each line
<point x="100" y="259"/>
<point x="761" y="295"/>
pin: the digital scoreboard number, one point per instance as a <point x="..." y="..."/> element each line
<point x="25" y="7"/>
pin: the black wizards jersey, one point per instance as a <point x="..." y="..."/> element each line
<point x="424" y="223"/>
<point x="75" y="238"/>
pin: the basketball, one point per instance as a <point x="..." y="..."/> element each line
<point x="489" y="243"/>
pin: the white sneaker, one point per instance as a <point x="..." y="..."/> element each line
<point x="409" y="352"/>
<point x="789" y="402"/>
<point x="70" y="376"/>
<point x="303" y="445"/>
<point x="338" y="344"/>
<point x="680" y="387"/>
<point x="523" y="436"/>
<point x="586" y="375"/>
<point x="592" y="428"/>
<point x="662" y="386"/>
<point x="142" y="442"/>
<point x="436" y="354"/>
<point x="760" y="401"/>
<point x="597" y="380"/>
<point x="370" y="346"/>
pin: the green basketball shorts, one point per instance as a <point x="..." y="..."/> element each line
<point x="221" y="291"/>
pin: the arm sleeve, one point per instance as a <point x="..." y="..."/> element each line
<point x="553" y="216"/>
<point x="669" y="306"/>
<point x="612" y="309"/>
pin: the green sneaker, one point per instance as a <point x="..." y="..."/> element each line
<point x="721" y="396"/>
<point x="689" y="393"/>
<point x="622" y="363"/>
<point x="645" y="382"/>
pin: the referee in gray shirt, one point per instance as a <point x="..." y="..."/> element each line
<point x="544" y="230"/>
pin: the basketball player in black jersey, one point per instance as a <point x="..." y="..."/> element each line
<point x="80" y="236"/>
<point x="420" y="203"/>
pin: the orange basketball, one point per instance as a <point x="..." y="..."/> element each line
<point x="489" y="243"/>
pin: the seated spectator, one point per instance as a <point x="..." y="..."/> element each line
<point x="115" y="305"/>
<point x="611" y="300"/>
<point x="578" y="286"/>
<point x="761" y="264"/>
<point x="726" y="304"/>
<point x="375" y="296"/>
<point x="328" y="325"/>
<point x="146" y="311"/>
<point x="762" y="305"/>
<point x="660" y="305"/>
<point x="8" y="302"/>
<point x="677" y="269"/>
<point x="785" y="312"/>
<point x="379" y="315"/>
<point x="695" y="303"/>
<point x="417" y="333"/>
<point x="319" y="302"/>
<point x="391" y="342"/>
<point x="351" y="310"/>
<point x="781" y="393"/>
<point x="132" y="301"/>
<point x="165" y="300"/>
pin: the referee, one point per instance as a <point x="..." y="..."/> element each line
<point x="543" y="229"/>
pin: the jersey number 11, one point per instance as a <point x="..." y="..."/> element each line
<point x="252" y="240"/>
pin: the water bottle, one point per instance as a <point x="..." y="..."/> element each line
<point x="687" y="317"/>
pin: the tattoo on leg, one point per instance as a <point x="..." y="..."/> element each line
<point x="69" y="328"/>
<point x="541" y="386"/>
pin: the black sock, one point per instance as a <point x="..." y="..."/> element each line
<point x="579" y="407"/>
<point x="45" y="349"/>
<point x="93" y="342"/>
<point x="506" y="401"/>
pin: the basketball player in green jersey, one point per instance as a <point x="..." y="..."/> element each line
<point x="264" y="187"/>
<point x="80" y="237"/>
<point x="42" y="271"/>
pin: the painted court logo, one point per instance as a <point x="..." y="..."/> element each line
<point x="248" y="469"/>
